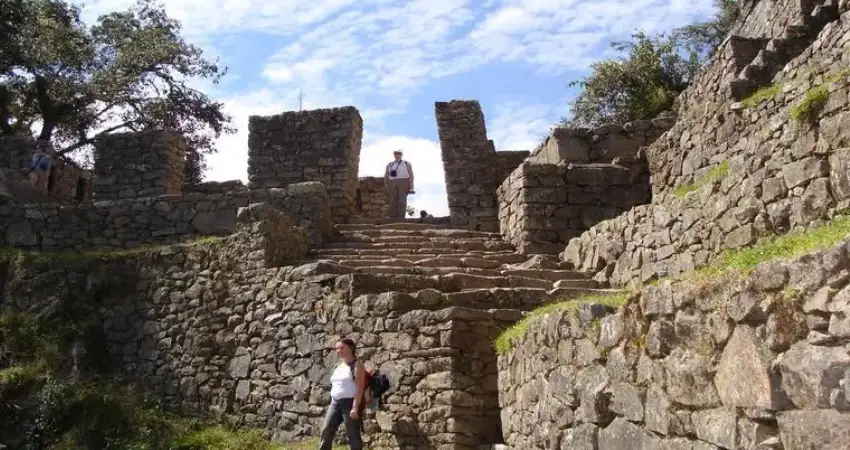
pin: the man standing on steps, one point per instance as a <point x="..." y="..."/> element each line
<point x="398" y="179"/>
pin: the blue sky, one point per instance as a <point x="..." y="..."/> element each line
<point x="393" y="59"/>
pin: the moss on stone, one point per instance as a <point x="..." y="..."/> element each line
<point x="506" y="340"/>
<point x="761" y="95"/>
<point x="712" y="175"/>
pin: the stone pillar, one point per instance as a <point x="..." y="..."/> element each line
<point x="139" y="164"/>
<point x="467" y="161"/>
<point x="319" y="145"/>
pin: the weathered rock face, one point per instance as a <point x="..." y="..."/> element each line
<point x="755" y="363"/>
<point x="473" y="167"/>
<point x="727" y="172"/>
<point x="317" y="145"/>
<point x="543" y="206"/>
<point x="138" y="164"/>
<point x="68" y="183"/>
<point x="372" y="199"/>
<point x="156" y="220"/>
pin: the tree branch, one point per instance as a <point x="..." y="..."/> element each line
<point x="90" y="140"/>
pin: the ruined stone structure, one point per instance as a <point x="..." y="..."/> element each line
<point x="730" y="172"/>
<point x="575" y="179"/>
<point x="135" y="165"/>
<point x="320" y="145"/>
<point x="67" y="182"/>
<point x="473" y="167"/>
<point x="372" y="200"/>
<point x="242" y="327"/>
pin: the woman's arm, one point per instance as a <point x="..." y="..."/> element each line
<point x="360" y="377"/>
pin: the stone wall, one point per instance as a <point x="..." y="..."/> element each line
<point x="473" y="167"/>
<point x="222" y="328"/>
<point x="761" y="362"/>
<point x="217" y="187"/>
<point x="730" y="172"/>
<point x="319" y="145"/>
<point x="139" y="164"/>
<point x="67" y="183"/>
<point x="372" y="200"/>
<point x="156" y="220"/>
<point x="603" y="144"/>
<point x="543" y="206"/>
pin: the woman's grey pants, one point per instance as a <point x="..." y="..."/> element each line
<point x="338" y="413"/>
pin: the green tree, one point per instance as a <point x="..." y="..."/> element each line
<point x="650" y="72"/>
<point x="130" y="71"/>
<point x="639" y="85"/>
<point x="704" y="38"/>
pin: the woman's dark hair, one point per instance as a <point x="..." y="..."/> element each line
<point x="350" y="344"/>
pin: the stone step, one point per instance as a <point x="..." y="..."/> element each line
<point x="388" y="226"/>
<point x="351" y="253"/>
<point x="517" y="298"/>
<point x="421" y="246"/>
<point x="436" y="232"/>
<point x="565" y="276"/>
<point x="367" y="283"/>
<point x="481" y="260"/>
<point x="433" y="221"/>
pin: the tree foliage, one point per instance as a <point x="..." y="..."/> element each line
<point x="649" y="73"/>
<point x="130" y="71"/>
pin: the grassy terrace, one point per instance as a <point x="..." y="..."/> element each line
<point x="740" y="261"/>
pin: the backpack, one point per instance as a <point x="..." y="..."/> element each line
<point x="377" y="384"/>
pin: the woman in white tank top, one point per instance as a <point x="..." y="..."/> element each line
<point x="346" y="398"/>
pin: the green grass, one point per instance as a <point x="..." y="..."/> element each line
<point x="15" y="254"/>
<point x="786" y="246"/>
<point x="506" y="340"/>
<point x="761" y="95"/>
<point x="712" y="175"/>
<point x="811" y="102"/>
<point x="740" y="261"/>
<point x="219" y="438"/>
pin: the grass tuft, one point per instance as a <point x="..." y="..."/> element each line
<point x="761" y="95"/>
<point x="786" y="246"/>
<point x="506" y="340"/>
<point x="812" y="101"/>
<point x="712" y="175"/>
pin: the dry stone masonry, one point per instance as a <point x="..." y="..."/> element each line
<point x="575" y="179"/>
<point x="134" y="165"/>
<point x="761" y="362"/>
<point x="600" y="145"/>
<point x="130" y="223"/>
<point x="731" y="172"/>
<point x="372" y="199"/>
<point x="67" y="183"/>
<point x="230" y="328"/>
<point x="319" y="145"/>
<point x="473" y="167"/>
<point x="241" y="327"/>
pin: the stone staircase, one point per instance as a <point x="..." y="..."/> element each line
<point x="777" y="52"/>
<point x="472" y="285"/>
<point x="437" y="264"/>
